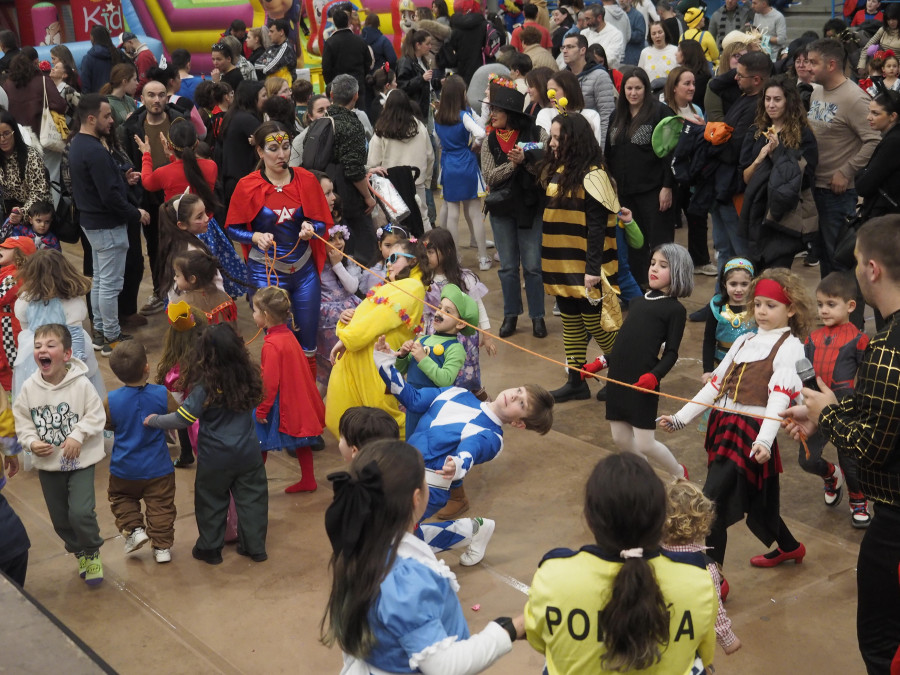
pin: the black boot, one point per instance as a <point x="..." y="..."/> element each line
<point x="575" y="389"/>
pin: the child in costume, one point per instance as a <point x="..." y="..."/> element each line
<point x="185" y="328"/>
<point x="291" y="415"/>
<point x="59" y="420"/>
<point x="461" y="178"/>
<point x="13" y="251"/>
<point x="195" y="278"/>
<point x="360" y="425"/>
<point x="411" y="619"/>
<point x="757" y="378"/>
<point x="224" y="387"/>
<point x="729" y="317"/>
<point x="388" y="237"/>
<point x="435" y="360"/>
<point x="445" y="268"/>
<point x="139" y="466"/>
<point x="340" y="283"/>
<point x="627" y="602"/>
<point x="36" y="226"/>
<point x="393" y="310"/>
<point x="836" y="351"/>
<point x="654" y="320"/>
<point x="52" y="291"/>
<point x="689" y="516"/>
<point x="274" y="213"/>
<point x="456" y="432"/>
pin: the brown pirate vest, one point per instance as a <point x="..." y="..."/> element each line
<point x="748" y="383"/>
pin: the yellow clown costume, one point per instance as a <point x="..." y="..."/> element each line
<point x="393" y="310"/>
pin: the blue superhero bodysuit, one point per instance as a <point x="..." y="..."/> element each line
<point x="281" y="212"/>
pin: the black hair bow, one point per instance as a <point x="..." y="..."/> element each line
<point x="354" y="500"/>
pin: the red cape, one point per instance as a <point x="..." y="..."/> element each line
<point x="252" y="193"/>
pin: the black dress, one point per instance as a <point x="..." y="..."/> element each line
<point x="652" y="320"/>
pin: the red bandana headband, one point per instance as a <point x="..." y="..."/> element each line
<point x="769" y="288"/>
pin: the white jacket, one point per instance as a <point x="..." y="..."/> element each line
<point x="416" y="151"/>
<point x="53" y="412"/>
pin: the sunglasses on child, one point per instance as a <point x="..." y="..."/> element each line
<point x="394" y="257"/>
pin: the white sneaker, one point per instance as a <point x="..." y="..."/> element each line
<point x="162" y="555"/>
<point x="556" y="311"/>
<point x="489" y="243"/>
<point x="476" y="550"/>
<point x="136" y="539"/>
<point x="709" y="270"/>
<point x="484" y="264"/>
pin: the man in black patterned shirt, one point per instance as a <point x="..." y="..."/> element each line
<point x="867" y="426"/>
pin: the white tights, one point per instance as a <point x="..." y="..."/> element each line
<point x="643" y="442"/>
<point x="471" y="210"/>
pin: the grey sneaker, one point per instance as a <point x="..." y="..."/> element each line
<point x="709" y="270"/>
<point x="97" y="340"/>
<point x="153" y="306"/>
<point x="136" y="539"/>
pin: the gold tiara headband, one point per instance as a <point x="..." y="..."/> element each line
<point x="279" y="137"/>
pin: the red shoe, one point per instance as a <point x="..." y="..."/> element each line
<point x="723" y="589"/>
<point x="796" y="555"/>
<point x="684" y="468"/>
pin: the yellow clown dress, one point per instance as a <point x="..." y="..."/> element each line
<point x="393" y="310"/>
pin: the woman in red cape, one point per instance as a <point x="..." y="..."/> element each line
<point x="274" y="213"/>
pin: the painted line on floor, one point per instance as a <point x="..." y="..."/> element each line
<point x="506" y="579"/>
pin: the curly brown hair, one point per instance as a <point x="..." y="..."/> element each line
<point x="578" y="154"/>
<point x="795" y="119"/>
<point x="689" y="513"/>
<point x="46" y="274"/>
<point x="801" y="322"/>
<point x="220" y="363"/>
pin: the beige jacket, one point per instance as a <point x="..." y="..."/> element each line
<point x="415" y="151"/>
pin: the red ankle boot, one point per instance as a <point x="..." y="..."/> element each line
<point x="308" y="482"/>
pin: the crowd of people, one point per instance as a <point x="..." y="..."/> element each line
<point x="585" y="139"/>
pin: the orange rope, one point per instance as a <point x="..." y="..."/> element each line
<point x="551" y="360"/>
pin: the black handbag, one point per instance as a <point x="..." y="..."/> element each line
<point x="65" y="221"/>
<point x="500" y="199"/>
<point x="845" y="246"/>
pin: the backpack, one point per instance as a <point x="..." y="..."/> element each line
<point x="318" y="146"/>
<point x="492" y="42"/>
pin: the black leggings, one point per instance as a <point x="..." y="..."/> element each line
<point x="718" y="538"/>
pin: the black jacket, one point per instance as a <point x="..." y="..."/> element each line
<point x="881" y="173"/>
<point x="347" y="53"/>
<point x="411" y="79"/>
<point x="134" y="126"/>
<point x="467" y="37"/>
<point x="774" y="189"/>
<point x="632" y="162"/>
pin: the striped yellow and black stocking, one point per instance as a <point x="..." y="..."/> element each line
<point x="581" y="322"/>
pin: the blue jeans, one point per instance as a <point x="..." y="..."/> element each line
<point x="108" y="250"/>
<point x="726" y="238"/>
<point x="833" y="211"/>
<point x="519" y="247"/>
<point x="627" y="284"/>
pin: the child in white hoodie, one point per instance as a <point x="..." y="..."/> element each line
<point x="59" y="419"/>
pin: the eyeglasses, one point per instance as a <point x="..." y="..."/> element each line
<point x="394" y="257"/>
<point x="218" y="47"/>
<point x="6" y="134"/>
<point x="743" y="77"/>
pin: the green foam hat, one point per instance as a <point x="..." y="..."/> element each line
<point x="465" y="305"/>
<point x="665" y="135"/>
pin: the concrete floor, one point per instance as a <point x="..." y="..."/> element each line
<point x="243" y="617"/>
